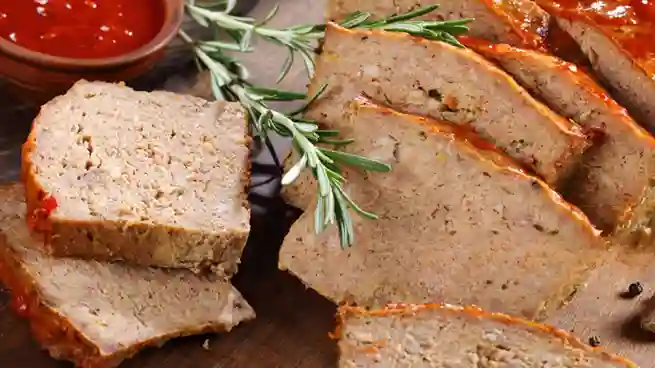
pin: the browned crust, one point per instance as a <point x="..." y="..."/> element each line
<point x="555" y="174"/>
<point x="486" y="152"/>
<point x="522" y="26"/>
<point x="489" y="50"/>
<point x="346" y="311"/>
<point x="32" y="188"/>
<point x="56" y="333"/>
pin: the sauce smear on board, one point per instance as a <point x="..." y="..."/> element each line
<point x="86" y="29"/>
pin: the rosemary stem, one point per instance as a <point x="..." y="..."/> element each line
<point x="228" y="21"/>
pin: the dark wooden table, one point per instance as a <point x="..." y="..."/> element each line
<point x="292" y="325"/>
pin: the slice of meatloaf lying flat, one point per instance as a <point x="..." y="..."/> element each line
<point x="517" y="22"/>
<point x="434" y="79"/>
<point x="151" y="178"/>
<point x="616" y="174"/>
<point x="459" y="222"/>
<point x="618" y="40"/>
<point x="97" y="314"/>
<point x="446" y="336"/>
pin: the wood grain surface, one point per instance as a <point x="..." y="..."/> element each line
<point x="292" y="325"/>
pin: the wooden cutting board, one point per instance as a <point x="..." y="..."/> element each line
<point x="292" y="325"/>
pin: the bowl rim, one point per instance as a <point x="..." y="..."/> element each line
<point x="173" y="18"/>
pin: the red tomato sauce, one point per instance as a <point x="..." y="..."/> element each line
<point x="85" y="29"/>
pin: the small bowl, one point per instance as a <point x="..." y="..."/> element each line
<point x="36" y="77"/>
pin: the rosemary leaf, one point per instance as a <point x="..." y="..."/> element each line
<point x="311" y="100"/>
<point x="286" y="67"/>
<point x="319" y="215"/>
<point x="295" y="171"/>
<point x="327" y="133"/>
<point x="366" y="164"/>
<point x="269" y="16"/>
<point x="355" y="207"/>
<point x="336" y="142"/>
<point x="215" y="46"/>
<point x="270" y="94"/>
<point x="323" y="181"/>
<point x="344" y="221"/>
<point x="412" y="14"/>
<point x="355" y="19"/>
<point x="230" y="5"/>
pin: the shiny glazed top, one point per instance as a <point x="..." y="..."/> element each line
<point x="630" y="23"/>
<point x="85" y="29"/>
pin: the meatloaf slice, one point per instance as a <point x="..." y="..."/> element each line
<point x="446" y="336"/>
<point x="97" y="314"/>
<point x="459" y="222"/>
<point x="616" y="174"/>
<point x="518" y="22"/>
<point x="435" y="79"/>
<point x="618" y="40"/>
<point x="150" y="178"/>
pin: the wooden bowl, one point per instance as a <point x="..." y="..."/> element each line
<point x="38" y="77"/>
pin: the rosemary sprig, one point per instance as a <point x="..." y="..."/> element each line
<point x="229" y="79"/>
<point x="301" y="40"/>
<point x="333" y="202"/>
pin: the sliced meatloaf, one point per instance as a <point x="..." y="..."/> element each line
<point x="616" y="174"/>
<point x="435" y="335"/>
<point x="401" y="71"/>
<point x="617" y="37"/>
<point x="150" y="178"/>
<point x="98" y="314"/>
<point x="518" y="22"/>
<point x="459" y="222"/>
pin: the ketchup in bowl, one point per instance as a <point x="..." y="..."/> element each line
<point x="83" y="29"/>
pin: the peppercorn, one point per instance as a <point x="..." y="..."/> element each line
<point x="594" y="341"/>
<point x="635" y="289"/>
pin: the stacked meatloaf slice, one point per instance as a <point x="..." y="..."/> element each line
<point x="617" y="37"/>
<point x="441" y="81"/>
<point x="154" y="178"/>
<point x="615" y="175"/>
<point x="146" y="179"/>
<point x="517" y="22"/>
<point x="460" y="222"/>
<point x="446" y="336"/>
<point x="98" y="314"/>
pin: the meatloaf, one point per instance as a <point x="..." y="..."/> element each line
<point x="435" y="335"/>
<point x="616" y="174"/>
<point x="458" y="222"/>
<point x="617" y="37"/>
<point x="97" y="314"/>
<point x="518" y="22"/>
<point x="401" y="71"/>
<point x="150" y="178"/>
